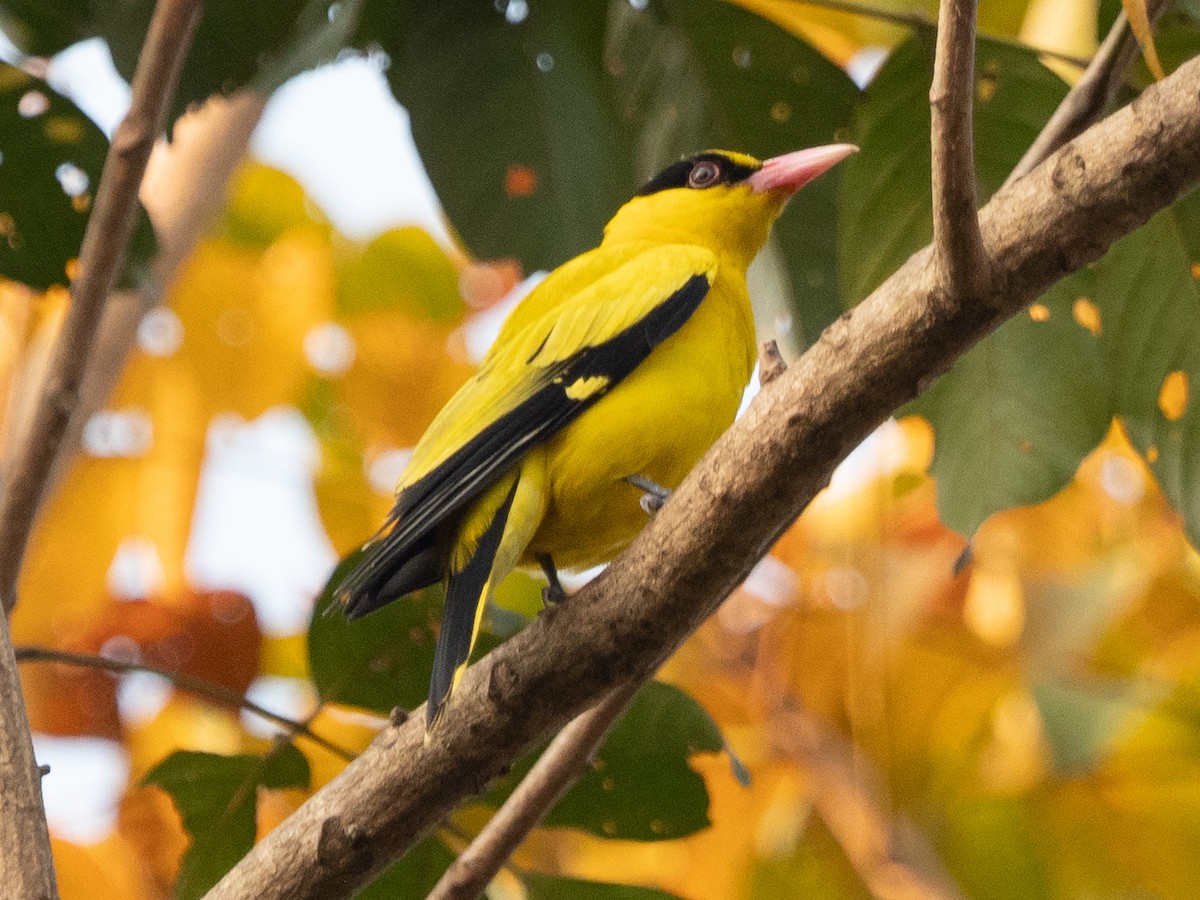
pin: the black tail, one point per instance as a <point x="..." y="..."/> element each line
<point x="468" y="590"/>
<point x="388" y="572"/>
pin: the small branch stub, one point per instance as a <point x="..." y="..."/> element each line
<point x="960" y="262"/>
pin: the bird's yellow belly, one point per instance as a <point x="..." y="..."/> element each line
<point x="657" y="423"/>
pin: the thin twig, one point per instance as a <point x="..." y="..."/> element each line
<point x="210" y="690"/>
<point x="556" y="770"/>
<point x="918" y="21"/>
<point x="100" y="261"/>
<point x="959" y="258"/>
<point x="771" y="363"/>
<point x="1095" y="91"/>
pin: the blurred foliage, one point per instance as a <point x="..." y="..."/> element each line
<point x="52" y="155"/>
<point x="1029" y="726"/>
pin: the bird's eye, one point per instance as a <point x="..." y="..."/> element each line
<point x="704" y="174"/>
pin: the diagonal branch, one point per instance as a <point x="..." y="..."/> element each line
<point x="959" y="259"/>
<point x="737" y="501"/>
<point x="100" y="262"/>
<point x="552" y="775"/>
<point x="210" y="690"/>
<point x="845" y="790"/>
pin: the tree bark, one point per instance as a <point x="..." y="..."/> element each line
<point x="737" y="501"/>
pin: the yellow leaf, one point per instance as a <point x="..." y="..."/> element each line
<point x="1139" y="22"/>
<point x="108" y="869"/>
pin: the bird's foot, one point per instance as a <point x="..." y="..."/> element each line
<point x="553" y="593"/>
<point x="654" y="498"/>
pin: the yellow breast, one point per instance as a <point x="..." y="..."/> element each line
<point x="657" y="423"/>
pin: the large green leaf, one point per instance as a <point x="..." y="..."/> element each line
<point x="885" y="207"/>
<point x="383" y="660"/>
<point x="1150" y="314"/>
<point x="51" y="157"/>
<point x="1016" y="415"/>
<point x="43" y="27"/>
<point x="235" y="44"/>
<point x="512" y="116"/>
<point x="640" y="786"/>
<point x="378" y="662"/>
<point x="216" y="796"/>
<point x="693" y="75"/>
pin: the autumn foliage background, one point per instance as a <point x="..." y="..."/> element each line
<point x="875" y="712"/>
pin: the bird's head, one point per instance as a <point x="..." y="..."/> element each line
<point x="721" y="199"/>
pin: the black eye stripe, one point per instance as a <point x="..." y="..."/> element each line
<point x="676" y="175"/>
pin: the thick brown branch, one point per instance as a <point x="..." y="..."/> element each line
<point x="1091" y="95"/>
<point x="100" y="261"/>
<point x="959" y="258"/>
<point x="737" y="501"/>
<point x="556" y="770"/>
<point x="202" y="687"/>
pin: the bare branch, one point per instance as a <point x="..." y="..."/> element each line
<point x="1091" y="95"/>
<point x="770" y="362"/>
<point x="892" y="862"/>
<point x="100" y="261"/>
<point x="210" y="690"/>
<point x="959" y="258"/>
<point x="552" y="775"/>
<point x="26" y="866"/>
<point x="737" y="501"/>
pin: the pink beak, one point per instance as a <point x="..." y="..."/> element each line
<point x="793" y="171"/>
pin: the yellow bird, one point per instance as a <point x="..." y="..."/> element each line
<point x="605" y="386"/>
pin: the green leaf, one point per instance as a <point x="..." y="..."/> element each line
<point x="1018" y="412"/>
<point x="885" y="208"/>
<point x="43" y="27"/>
<point x="216" y="796"/>
<point x="235" y="43"/>
<point x="640" y="786"/>
<point x="513" y="121"/>
<point x="1012" y="419"/>
<point x="380" y="661"/>
<point x="414" y="876"/>
<point x="1082" y="723"/>
<point x="560" y="887"/>
<point x="383" y="660"/>
<point x="694" y="75"/>
<point x="1150" y="314"/>
<point x="51" y="157"/>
